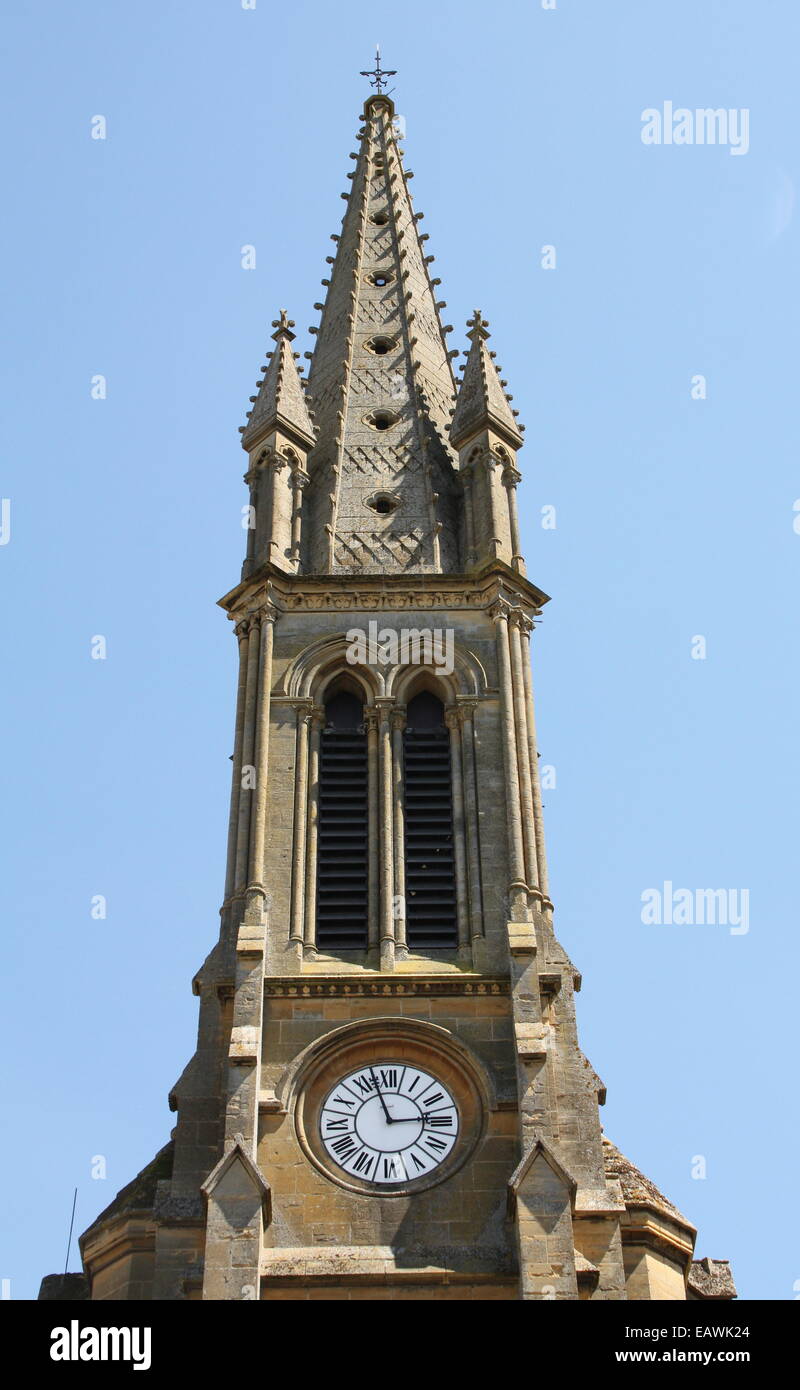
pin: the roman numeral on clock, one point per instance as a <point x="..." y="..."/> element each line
<point x="337" y="1124"/>
<point x="344" y="1147"/>
<point x="438" y="1121"/>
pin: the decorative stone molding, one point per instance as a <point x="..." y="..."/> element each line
<point x="430" y="986"/>
<point x="238" y="1154"/>
<point x="538" y="1148"/>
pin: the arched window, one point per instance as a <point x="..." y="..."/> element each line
<point x="342" y="854"/>
<point x="431" y="920"/>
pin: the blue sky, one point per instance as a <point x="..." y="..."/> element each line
<point x="674" y="520"/>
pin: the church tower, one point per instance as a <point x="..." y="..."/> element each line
<point x="388" y="1098"/>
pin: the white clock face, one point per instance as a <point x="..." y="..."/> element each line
<point x="389" y="1123"/>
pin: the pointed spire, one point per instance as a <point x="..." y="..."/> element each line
<point x="380" y="381"/>
<point x="281" y="398"/>
<point x="482" y="402"/>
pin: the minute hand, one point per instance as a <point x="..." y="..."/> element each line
<point x="380" y="1095"/>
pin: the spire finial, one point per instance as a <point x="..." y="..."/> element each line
<point x="284" y="326"/>
<point x="478" y="327"/>
<point x="377" y="78"/>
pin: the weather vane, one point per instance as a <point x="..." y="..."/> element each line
<point x="377" y="78"/>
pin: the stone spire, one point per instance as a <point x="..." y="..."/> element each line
<point x="383" y="493"/>
<point x="482" y="400"/>
<point x="281" y="399"/>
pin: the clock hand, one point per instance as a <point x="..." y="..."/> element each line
<point x="380" y="1094"/>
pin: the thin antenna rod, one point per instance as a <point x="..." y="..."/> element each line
<point x="71" y="1224"/>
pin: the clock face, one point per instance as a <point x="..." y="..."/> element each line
<point x="389" y="1123"/>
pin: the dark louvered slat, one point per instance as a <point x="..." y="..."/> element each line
<point x="431" y="922"/>
<point x="342" y="842"/>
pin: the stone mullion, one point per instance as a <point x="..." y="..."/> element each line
<point x="471" y="817"/>
<point x="516" y="850"/>
<point x="236" y="775"/>
<point x="538" y="810"/>
<point x="248" y="747"/>
<point x="385" y="799"/>
<point x="373" y="823"/>
<point x="258" y="826"/>
<point x="523" y="755"/>
<point x="312" y="826"/>
<point x="303" y="709"/>
<point x="398" y="725"/>
<point x="453" y="721"/>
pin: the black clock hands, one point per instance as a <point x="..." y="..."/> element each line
<point x="381" y="1096"/>
<point x="393" y="1120"/>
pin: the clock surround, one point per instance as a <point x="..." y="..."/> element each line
<point x="423" y="1050"/>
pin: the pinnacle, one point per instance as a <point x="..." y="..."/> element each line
<point x="482" y="400"/>
<point x="281" y="397"/>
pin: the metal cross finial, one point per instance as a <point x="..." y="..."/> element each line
<point x="377" y="78"/>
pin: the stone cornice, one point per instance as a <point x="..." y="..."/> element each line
<point x="377" y="593"/>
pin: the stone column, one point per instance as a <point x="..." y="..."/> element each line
<point x="303" y="708"/>
<point x="385" y="799"/>
<point x="453" y="721"/>
<point x="526" y="627"/>
<point x="248" y="751"/>
<point x="469" y="518"/>
<point x="467" y="709"/>
<point x="494" y="537"/>
<point x="312" y="821"/>
<point x="517" y="891"/>
<point x="256" y="892"/>
<point x="241" y="631"/>
<point x="512" y="476"/>
<point x="299" y="483"/>
<point x="523" y="753"/>
<point x="251" y="478"/>
<point x="398" y="725"/>
<point x="373" y="823"/>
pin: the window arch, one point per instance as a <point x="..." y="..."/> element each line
<point x="342" y="831"/>
<point x="430" y="871"/>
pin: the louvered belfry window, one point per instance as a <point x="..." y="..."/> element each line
<point x="342" y="856"/>
<point x="431" y="922"/>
